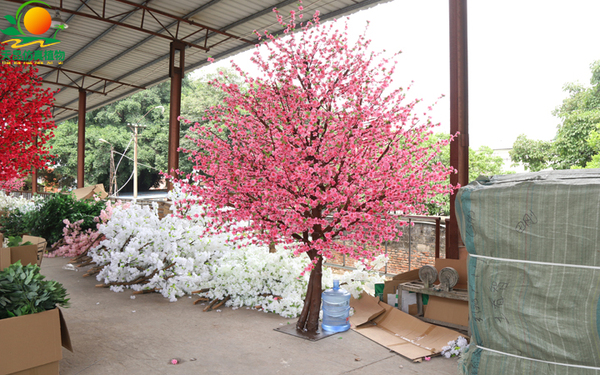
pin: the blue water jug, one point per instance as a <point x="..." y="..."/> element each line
<point x="336" y="309"/>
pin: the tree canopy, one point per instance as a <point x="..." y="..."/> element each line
<point x="481" y="162"/>
<point x="580" y="116"/>
<point x="320" y="153"/>
<point x="25" y="120"/>
<point x="110" y="123"/>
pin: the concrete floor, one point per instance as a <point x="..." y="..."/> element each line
<point x="114" y="334"/>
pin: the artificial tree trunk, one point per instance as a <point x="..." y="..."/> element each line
<point x="309" y="318"/>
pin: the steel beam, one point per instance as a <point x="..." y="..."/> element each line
<point x="73" y="87"/>
<point x="181" y="19"/>
<point x="176" y="65"/>
<point x="229" y="52"/>
<point x="81" y="139"/>
<point x="90" y="76"/>
<point x="96" y="16"/>
<point x="459" y="114"/>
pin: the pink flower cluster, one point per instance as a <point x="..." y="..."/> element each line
<point x="322" y="151"/>
<point x="13" y="184"/>
<point x="77" y="241"/>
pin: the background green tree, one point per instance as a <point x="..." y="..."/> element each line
<point x="481" y="162"/>
<point x="110" y="123"/>
<point x="535" y="155"/>
<point x="571" y="147"/>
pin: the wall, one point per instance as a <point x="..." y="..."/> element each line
<point x="421" y="240"/>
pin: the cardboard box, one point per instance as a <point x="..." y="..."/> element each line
<point x="31" y="344"/>
<point x="89" y="191"/>
<point x="41" y="247"/>
<point x="398" y="331"/>
<point x="366" y="308"/>
<point x="440" y="309"/>
<point x="26" y="254"/>
<point x="391" y="286"/>
<point x="448" y="311"/>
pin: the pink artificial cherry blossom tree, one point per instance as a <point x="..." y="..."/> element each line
<point x="321" y="153"/>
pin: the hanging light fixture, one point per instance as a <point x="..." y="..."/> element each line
<point x="57" y="22"/>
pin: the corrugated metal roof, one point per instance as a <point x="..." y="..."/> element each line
<point x="118" y="53"/>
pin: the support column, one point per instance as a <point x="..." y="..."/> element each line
<point x="459" y="113"/>
<point x="34" y="174"/>
<point x="176" y="65"/>
<point x="81" y="139"/>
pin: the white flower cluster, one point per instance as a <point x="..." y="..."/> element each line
<point x="251" y="276"/>
<point x="174" y="257"/>
<point x="362" y="278"/>
<point x="170" y="253"/>
<point x="10" y="203"/>
<point x="455" y="347"/>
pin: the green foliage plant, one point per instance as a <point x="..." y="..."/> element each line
<point x="24" y="291"/>
<point x="47" y="221"/>
<point x="14" y="241"/>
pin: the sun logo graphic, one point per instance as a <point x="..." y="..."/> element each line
<point x="36" y="21"/>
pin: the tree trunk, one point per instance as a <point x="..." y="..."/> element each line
<point x="272" y="247"/>
<point x="309" y="318"/>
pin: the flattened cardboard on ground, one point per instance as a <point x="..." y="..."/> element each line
<point x="35" y="343"/>
<point x="26" y="254"/>
<point x="366" y="308"/>
<point x="89" y="191"/>
<point x="391" y="285"/>
<point x="404" y="334"/>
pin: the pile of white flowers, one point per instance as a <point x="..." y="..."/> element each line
<point x="455" y="347"/>
<point x="141" y="251"/>
<point x="174" y="257"/>
<point x="10" y="203"/>
<point x="251" y="276"/>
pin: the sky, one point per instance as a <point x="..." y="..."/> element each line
<point x="521" y="54"/>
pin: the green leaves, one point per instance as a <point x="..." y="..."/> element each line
<point x="571" y="148"/>
<point x="534" y="154"/>
<point x="10" y="31"/>
<point x="10" y="19"/>
<point x="24" y="291"/>
<point x="47" y="220"/>
<point x="14" y="241"/>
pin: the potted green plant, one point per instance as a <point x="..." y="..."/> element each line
<point x="23" y="291"/>
<point x="30" y="317"/>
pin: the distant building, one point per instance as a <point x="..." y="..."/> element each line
<point x="508" y="164"/>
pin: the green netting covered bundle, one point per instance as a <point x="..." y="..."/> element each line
<point x="534" y="273"/>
